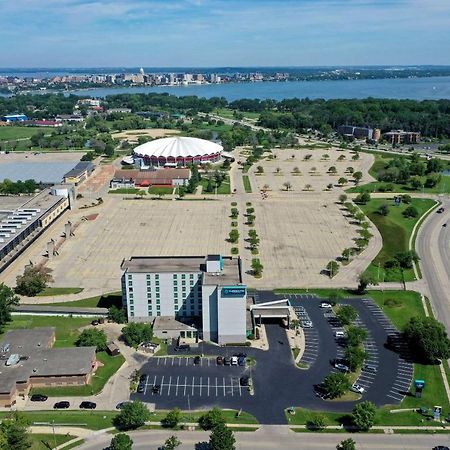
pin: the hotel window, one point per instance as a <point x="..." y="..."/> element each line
<point x="156" y="276"/>
<point x="191" y="276"/>
<point x="130" y="277"/>
<point x="183" y="282"/>
<point x="183" y="276"/>
<point x="175" y="282"/>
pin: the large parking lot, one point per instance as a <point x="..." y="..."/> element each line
<point x="277" y="383"/>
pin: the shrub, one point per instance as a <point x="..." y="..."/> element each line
<point x="363" y="415"/>
<point x="135" y="333"/>
<point x="211" y="419"/>
<point x="133" y="415"/>
<point x="411" y="211"/>
<point x="317" y="422"/>
<point x="234" y="251"/>
<point x="172" y="418"/>
<point x="93" y="337"/>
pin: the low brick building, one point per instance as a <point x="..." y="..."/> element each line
<point x="28" y="360"/>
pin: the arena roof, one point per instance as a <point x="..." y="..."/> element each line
<point x="177" y="146"/>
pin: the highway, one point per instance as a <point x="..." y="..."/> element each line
<point x="433" y="247"/>
<point x="271" y="438"/>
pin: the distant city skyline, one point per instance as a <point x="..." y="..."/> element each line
<point x="218" y="33"/>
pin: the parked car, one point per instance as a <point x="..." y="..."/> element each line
<point x="141" y="388"/>
<point x="307" y="324"/>
<point x="339" y="334"/>
<point x="61" y="405"/>
<point x="241" y="355"/>
<point x="357" y="388"/>
<point x="243" y="381"/>
<point x="197" y="360"/>
<point x="241" y="360"/>
<point x="440" y="210"/>
<point x="94" y="322"/>
<point x="227" y="361"/>
<point x="219" y="360"/>
<point x="325" y="305"/>
<point x="369" y="368"/>
<point x="441" y="447"/>
<point x="234" y="361"/>
<point x="88" y="405"/>
<point x="38" y="398"/>
<point x="156" y="389"/>
<point x="122" y="405"/>
<point x="341" y="367"/>
<point x="182" y="348"/>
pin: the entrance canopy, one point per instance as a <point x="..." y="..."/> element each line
<point x="278" y="309"/>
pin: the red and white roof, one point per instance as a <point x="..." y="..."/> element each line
<point x="178" y="146"/>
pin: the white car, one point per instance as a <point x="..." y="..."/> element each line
<point x="234" y="361"/>
<point x="325" y="305"/>
<point x="341" y="367"/>
<point x="307" y="324"/>
<point x="339" y="334"/>
<point x="357" y="388"/>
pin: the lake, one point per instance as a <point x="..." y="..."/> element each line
<point x="399" y="88"/>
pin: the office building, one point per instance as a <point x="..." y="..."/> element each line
<point x="402" y="137"/>
<point x="205" y="290"/>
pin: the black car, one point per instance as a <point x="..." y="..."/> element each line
<point x="141" y="388"/>
<point x="143" y="378"/>
<point x="182" y="348"/>
<point x="241" y="360"/>
<point x="241" y="355"/>
<point x="219" y="360"/>
<point x="61" y="405"/>
<point x="243" y="381"/>
<point x="88" y="405"/>
<point x="38" y="398"/>
<point x="441" y="447"/>
<point x="197" y="360"/>
<point x="156" y="389"/>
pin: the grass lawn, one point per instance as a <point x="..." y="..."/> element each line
<point x="247" y="185"/>
<point x="16" y="132"/>
<point x="100" y="301"/>
<point x="230" y="416"/>
<point x="228" y="113"/>
<point x="46" y="441"/>
<point x="124" y="191"/>
<point x="49" y="291"/>
<point x="111" y="365"/>
<point x="224" y="188"/>
<point x="93" y="420"/>
<point x="155" y="190"/>
<point x="395" y="231"/>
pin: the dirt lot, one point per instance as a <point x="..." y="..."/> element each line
<point x="133" y="135"/>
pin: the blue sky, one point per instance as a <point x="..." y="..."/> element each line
<point x="100" y="33"/>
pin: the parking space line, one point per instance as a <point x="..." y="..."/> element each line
<point x="239" y="384"/>
<point x="208" y="386"/>
<point x="193" y="384"/>
<point x="159" y="359"/>
<point x="201" y="386"/>
<point x="232" y="387"/>
<point x="201" y="362"/>
<point x="146" y="384"/>
<point x="185" y="384"/>
<point x="176" y="389"/>
<point x="173" y="360"/>
<point x="224" y="394"/>
<point x="179" y="361"/>
<point x="216" y="387"/>
<point x="165" y="360"/>
<point x="162" y="384"/>
<point x="170" y="384"/>
<point x="187" y="360"/>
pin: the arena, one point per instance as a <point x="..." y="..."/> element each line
<point x="178" y="151"/>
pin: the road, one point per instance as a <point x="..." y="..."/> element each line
<point x="433" y="247"/>
<point x="269" y="438"/>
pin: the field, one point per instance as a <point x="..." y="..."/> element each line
<point x="48" y="441"/>
<point x="9" y="133"/>
<point x="396" y="231"/>
<point x="132" y="136"/>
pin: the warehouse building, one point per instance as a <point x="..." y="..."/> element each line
<point x="30" y="361"/>
<point x="144" y="178"/>
<point x="202" y="290"/>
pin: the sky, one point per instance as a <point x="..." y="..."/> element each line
<point x="213" y="33"/>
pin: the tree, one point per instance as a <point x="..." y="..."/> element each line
<point x="363" y="415"/>
<point x="233" y="237"/>
<point x="336" y="384"/>
<point x="308" y="187"/>
<point x="133" y="415"/>
<point x="211" y="419"/>
<point x="260" y="169"/>
<point x="350" y="169"/>
<point x="411" y="211"/>
<point x="317" y="422"/>
<point x="7" y="302"/>
<point x="355" y="336"/>
<point x="357" y="176"/>
<point x="296" y="170"/>
<point x="364" y="281"/>
<point x="222" y="438"/>
<point x="234" y="213"/>
<point x="346" y="314"/>
<point x="14" y="430"/>
<point x="347" y="444"/>
<point x="332" y="170"/>
<point x="135" y="333"/>
<point x="342" y="181"/>
<point x="172" y="418"/>
<point x="117" y="315"/>
<point x="363" y="198"/>
<point x="416" y="183"/>
<point x="406" y="259"/>
<point x="287" y="185"/>
<point x="257" y="267"/>
<point x="428" y="338"/>
<point x="406" y="199"/>
<point x="383" y="209"/>
<point x="92" y="337"/>
<point x="121" y="441"/>
<point x="355" y="357"/>
<point x="171" y="443"/>
<point x="343" y="198"/>
<point x="33" y="281"/>
<point x="333" y="268"/>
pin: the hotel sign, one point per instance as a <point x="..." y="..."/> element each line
<point x="234" y="291"/>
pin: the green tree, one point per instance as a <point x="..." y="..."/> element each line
<point x="346" y="444"/>
<point x="233" y="237"/>
<point x="363" y="415"/>
<point x="14" y="430"/>
<point x="428" y="338"/>
<point x="411" y="211"/>
<point x="332" y="170"/>
<point x="355" y="357"/>
<point x="257" y="267"/>
<point x="336" y="384"/>
<point x="133" y="415"/>
<point x="357" y="176"/>
<point x="364" y="281"/>
<point x="342" y="181"/>
<point x="135" y="333"/>
<point x="406" y="199"/>
<point x="333" y="268"/>
<point x="33" y="281"/>
<point x="406" y="259"/>
<point x="117" y="315"/>
<point x="172" y="442"/>
<point x="343" y="198"/>
<point x="172" y="418"/>
<point x="346" y="314"/>
<point x="355" y="336"/>
<point x="346" y="253"/>
<point x="363" y="198"/>
<point x="317" y="422"/>
<point x="121" y="441"/>
<point x="260" y="169"/>
<point x="234" y="213"/>
<point x="211" y="419"/>
<point x="383" y="209"/>
<point x="92" y="337"/>
<point x="287" y="185"/>
<point x="7" y="302"/>
<point x="222" y="438"/>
